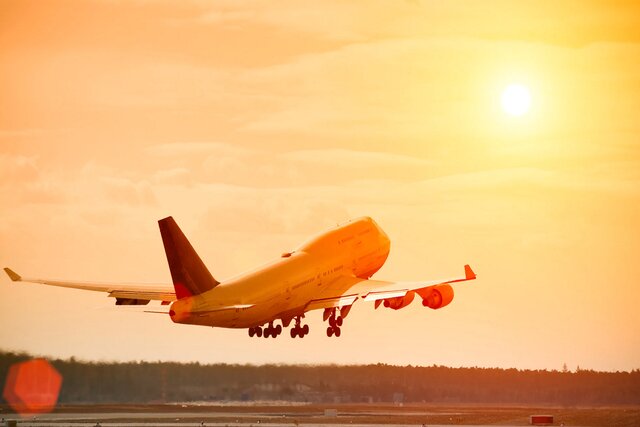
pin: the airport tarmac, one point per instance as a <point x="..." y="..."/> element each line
<point x="152" y="420"/>
<point x="315" y="416"/>
<point x="198" y="424"/>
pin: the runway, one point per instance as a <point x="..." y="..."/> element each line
<point x="61" y="423"/>
<point x="366" y="415"/>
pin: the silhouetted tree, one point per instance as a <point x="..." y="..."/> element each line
<point x="132" y="382"/>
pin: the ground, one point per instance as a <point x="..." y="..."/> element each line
<point x="348" y="414"/>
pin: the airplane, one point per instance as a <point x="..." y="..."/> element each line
<point x="329" y="272"/>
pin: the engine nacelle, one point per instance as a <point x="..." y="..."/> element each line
<point x="399" y="302"/>
<point x="437" y="297"/>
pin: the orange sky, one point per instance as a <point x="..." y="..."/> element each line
<point x="257" y="124"/>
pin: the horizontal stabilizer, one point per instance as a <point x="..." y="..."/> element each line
<point x="237" y="307"/>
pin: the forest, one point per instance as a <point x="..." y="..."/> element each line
<point x="159" y="382"/>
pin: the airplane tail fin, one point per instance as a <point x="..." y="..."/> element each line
<point x="190" y="275"/>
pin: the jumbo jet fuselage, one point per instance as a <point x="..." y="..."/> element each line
<point x="282" y="288"/>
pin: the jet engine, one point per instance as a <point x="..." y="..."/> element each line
<point x="399" y="302"/>
<point x="436" y="297"/>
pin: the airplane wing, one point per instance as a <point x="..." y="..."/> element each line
<point x="345" y="291"/>
<point x="124" y="293"/>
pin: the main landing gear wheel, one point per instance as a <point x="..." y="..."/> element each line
<point x="255" y="331"/>
<point x="299" y="330"/>
<point x="334" y="322"/>
<point x="333" y="330"/>
<point x="272" y="331"/>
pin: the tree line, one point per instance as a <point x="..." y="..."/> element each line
<point x="155" y="382"/>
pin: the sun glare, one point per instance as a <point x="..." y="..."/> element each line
<point x="516" y="100"/>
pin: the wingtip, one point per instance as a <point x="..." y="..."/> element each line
<point x="15" y="277"/>
<point x="469" y="274"/>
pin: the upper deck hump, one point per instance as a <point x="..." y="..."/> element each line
<point x="343" y="232"/>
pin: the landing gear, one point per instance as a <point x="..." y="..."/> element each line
<point x="269" y="331"/>
<point x="299" y="330"/>
<point x="334" y="321"/>
<point x="272" y="331"/>
<point x="333" y="330"/>
<point x="255" y="331"/>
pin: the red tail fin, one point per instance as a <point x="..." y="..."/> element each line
<point x="190" y="275"/>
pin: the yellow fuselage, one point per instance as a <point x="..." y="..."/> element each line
<point x="282" y="288"/>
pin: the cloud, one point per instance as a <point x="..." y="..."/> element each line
<point x="17" y="169"/>
<point x="569" y="23"/>
<point x="268" y="213"/>
<point x="175" y="176"/>
<point x="25" y="133"/>
<point x="209" y="162"/>
<point x="294" y="16"/>
<point x="343" y="158"/>
<point x="121" y="190"/>
<point x="198" y="149"/>
<point x="22" y="182"/>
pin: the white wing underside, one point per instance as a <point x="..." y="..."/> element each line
<point x="347" y="289"/>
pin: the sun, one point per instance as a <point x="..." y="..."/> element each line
<point x="516" y="100"/>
